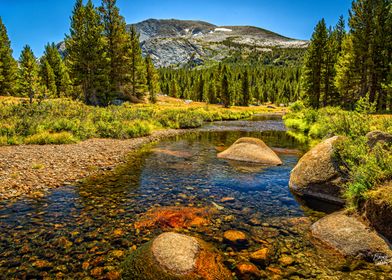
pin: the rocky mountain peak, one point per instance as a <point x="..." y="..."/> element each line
<point x="178" y="42"/>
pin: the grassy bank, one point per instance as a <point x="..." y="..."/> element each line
<point x="366" y="167"/>
<point x="63" y="121"/>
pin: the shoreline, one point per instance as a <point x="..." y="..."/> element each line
<point x="31" y="170"/>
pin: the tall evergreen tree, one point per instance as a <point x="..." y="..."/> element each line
<point x="347" y="80"/>
<point x="61" y="76"/>
<point x="200" y="89"/>
<point x="314" y="64"/>
<point x="246" y="93"/>
<point x="48" y="78"/>
<point x="340" y="32"/>
<point x="28" y="74"/>
<point x="117" y="45"/>
<point x="152" y="80"/>
<point x="225" y="92"/>
<point x="86" y="47"/>
<point x="8" y="65"/>
<point x="371" y="38"/>
<point x="137" y="68"/>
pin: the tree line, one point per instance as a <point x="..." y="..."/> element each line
<point x="241" y="84"/>
<point x="103" y="62"/>
<point x="341" y="68"/>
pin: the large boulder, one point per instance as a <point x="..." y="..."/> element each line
<point x="174" y="256"/>
<point x="377" y="209"/>
<point x="351" y="238"/>
<point x="251" y="150"/>
<point x="378" y="136"/>
<point x="317" y="174"/>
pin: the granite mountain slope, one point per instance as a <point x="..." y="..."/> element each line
<point x="178" y="42"/>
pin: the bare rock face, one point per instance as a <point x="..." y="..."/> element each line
<point x="182" y="42"/>
<point x="173" y="256"/>
<point x="351" y="238"/>
<point x="251" y="150"/>
<point x="317" y="174"/>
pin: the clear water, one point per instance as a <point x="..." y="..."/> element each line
<point x="77" y="232"/>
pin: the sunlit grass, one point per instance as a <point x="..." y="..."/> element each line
<point x="63" y="121"/>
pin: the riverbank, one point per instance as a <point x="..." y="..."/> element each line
<point x="30" y="170"/>
<point x="81" y="140"/>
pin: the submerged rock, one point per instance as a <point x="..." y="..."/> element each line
<point x="317" y="174"/>
<point x="173" y="256"/>
<point x="248" y="271"/>
<point x="235" y="237"/>
<point x="251" y="150"/>
<point x="175" y="217"/>
<point x="261" y="256"/>
<point x="351" y="238"/>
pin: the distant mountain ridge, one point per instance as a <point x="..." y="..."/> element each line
<point x="178" y="42"/>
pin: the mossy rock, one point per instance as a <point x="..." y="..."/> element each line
<point x="173" y="256"/>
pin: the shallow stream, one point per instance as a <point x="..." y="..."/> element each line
<point x="86" y="231"/>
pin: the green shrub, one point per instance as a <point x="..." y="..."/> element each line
<point x="51" y="138"/>
<point x="297" y="106"/>
<point x="366" y="167"/>
<point x="137" y="128"/>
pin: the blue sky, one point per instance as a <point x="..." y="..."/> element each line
<point x="36" y="22"/>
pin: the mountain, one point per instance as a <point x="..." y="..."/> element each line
<point x="178" y="42"/>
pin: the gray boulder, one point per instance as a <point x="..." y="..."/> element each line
<point x="317" y="174"/>
<point x="351" y="238"/>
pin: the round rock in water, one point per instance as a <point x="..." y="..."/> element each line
<point x="251" y="150"/>
<point x="176" y="252"/>
<point x="173" y="256"/>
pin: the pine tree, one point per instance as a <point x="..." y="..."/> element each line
<point x="246" y="93"/>
<point x="328" y="69"/>
<point x="340" y="33"/>
<point x="62" y="80"/>
<point x="347" y="80"/>
<point x="152" y="80"/>
<point x="313" y="65"/>
<point x="117" y="45"/>
<point x="371" y="38"/>
<point x="225" y="92"/>
<point x="199" y="93"/>
<point x="28" y="74"/>
<point x="87" y="59"/>
<point x="8" y="65"/>
<point x="137" y="68"/>
<point x="48" y="77"/>
<point x="174" y="89"/>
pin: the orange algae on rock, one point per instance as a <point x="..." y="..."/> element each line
<point x="175" y="217"/>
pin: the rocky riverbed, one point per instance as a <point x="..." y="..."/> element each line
<point x="240" y="214"/>
<point x="30" y="170"/>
